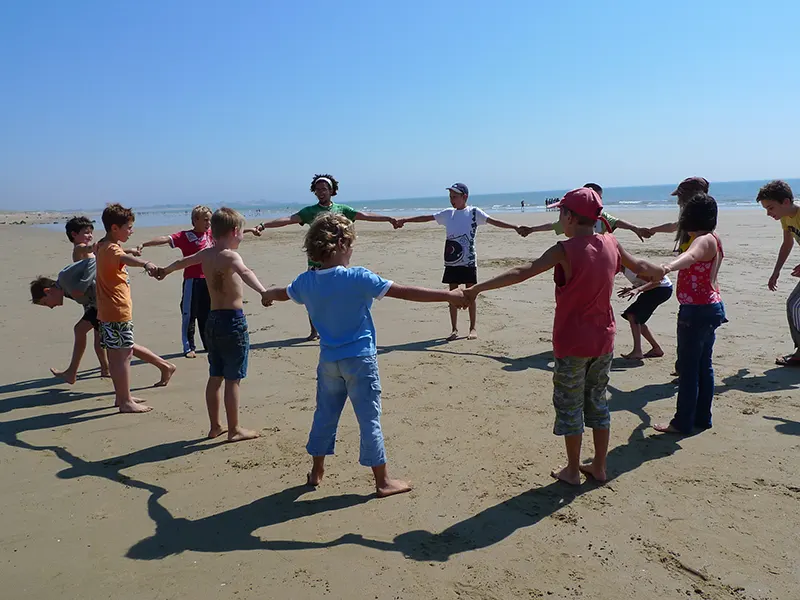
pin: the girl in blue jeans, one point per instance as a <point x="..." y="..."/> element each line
<point x="700" y="313"/>
<point x="338" y="299"/>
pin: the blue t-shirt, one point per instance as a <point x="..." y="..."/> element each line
<point x="338" y="301"/>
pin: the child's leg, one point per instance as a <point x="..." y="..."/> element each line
<point x="187" y="326"/>
<point x="313" y="335"/>
<point x="364" y="388"/>
<point x="453" y="316"/>
<point x="167" y="369"/>
<point x="569" y="382"/>
<point x="473" y="317"/>
<point x="102" y="357"/>
<point x="70" y="374"/>
<point x="235" y="432"/>
<point x="636" y="331"/>
<point x="213" y="401"/>
<point x="793" y="315"/>
<point x="690" y="345"/>
<point x="655" y="350"/>
<point x="705" y="383"/>
<point x="331" y="396"/>
<point x="119" y="361"/>
<point x="597" y="415"/>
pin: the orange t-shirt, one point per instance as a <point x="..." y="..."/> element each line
<point x="113" y="285"/>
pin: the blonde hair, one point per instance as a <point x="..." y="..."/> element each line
<point x="326" y="234"/>
<point x="199" y="210"/>
<point x="224" y="221"/>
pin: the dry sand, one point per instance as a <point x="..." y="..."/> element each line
<point x="101" y="505"/>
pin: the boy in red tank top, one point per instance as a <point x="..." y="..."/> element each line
<point x="583" y="328"/>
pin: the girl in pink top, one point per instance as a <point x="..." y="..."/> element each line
<point x="583" y="329"/>
<point x="699" y="316"/>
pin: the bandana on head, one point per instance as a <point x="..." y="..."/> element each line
<point x="326" y="180"/>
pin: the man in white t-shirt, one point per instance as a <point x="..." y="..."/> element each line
<point x="460" y="259"/>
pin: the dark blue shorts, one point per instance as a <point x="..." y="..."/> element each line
<point x="228" y="344"/>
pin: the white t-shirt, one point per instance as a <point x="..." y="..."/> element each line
<point x="459" y="249"/>
<point x="639" y="282"/>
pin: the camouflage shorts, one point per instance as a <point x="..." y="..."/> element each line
<point x="579" y="394"/>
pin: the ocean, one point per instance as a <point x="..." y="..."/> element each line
<point x="733" y="194"/>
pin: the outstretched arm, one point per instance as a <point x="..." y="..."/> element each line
<point x="419" y="294"/>
<point x="254" y="230"/>
<point x="159" y="241"/>
<point x="282" y="222"/>
<point x="526" y="230"/>
<point x="194" y="259"/>
<point x="702" y="249"/>
<point x="548" y="260"/>
<point x="133" y="261"/>
<point x="247" y="275"/>
<point x="274" y="294"/>
<point x="504" y="225"/>
<point x="665" y="228"/>
<point x="362" y="216"/>
<point x="641" y="232"/>
<point x="641" y="267"/>
<point x="419" y="219"/>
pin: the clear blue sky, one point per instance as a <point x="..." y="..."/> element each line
<point x="167" y="101"/>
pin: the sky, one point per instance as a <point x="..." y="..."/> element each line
<point x="178" y="101"/>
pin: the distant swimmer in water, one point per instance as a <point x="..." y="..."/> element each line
<point x="522" y="205"/>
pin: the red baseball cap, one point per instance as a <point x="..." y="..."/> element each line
<point x="582" y="201"/>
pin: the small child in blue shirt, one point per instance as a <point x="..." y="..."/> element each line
<point x="338" y="299"/>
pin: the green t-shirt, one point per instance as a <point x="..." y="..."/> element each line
<point x="599" y="226"/>
<point x="309" y="213"/>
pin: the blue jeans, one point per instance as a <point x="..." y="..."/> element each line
<point x="697" y="324"/>
<point x="357" y="378"/>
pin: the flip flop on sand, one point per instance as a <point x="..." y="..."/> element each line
<point x="788" y="361"/>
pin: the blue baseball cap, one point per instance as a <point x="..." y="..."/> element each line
<point x="459" y="188"/>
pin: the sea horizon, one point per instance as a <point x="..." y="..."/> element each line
<point x="740" y="194"/>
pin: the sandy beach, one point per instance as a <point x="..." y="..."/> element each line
<point x="101" y="505"/>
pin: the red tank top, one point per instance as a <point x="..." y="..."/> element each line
<point x="698" y="283"/>
<point x="584" y="322"/>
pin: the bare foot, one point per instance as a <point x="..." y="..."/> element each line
<point x="133" y="399"/>
<point x="65" y="376"/>
<point x="105" y="374"/>
<point x="166" y="374"/>
<point x="391" y="487"/>
<point x="665" y="428"/>
<point x="453" y="336"/>
<point x="215" y="432"/>
<point x="133" y="407"/>
<point x="654" y="353"/>
<point x="593" y="472"/>
<point x="190" y="354"/>
<point x="239" y="435"/>
<point x="312" y="336"/>
<point x="565" y="475"/>
<point x="473" y="335"/>
<point x="314" y="477"/>
<point x="633" y="356"/>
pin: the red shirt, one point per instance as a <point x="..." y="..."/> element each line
<point x="584" y="323"/>
<point x="698" y="283"/>
<point x="190" y="243"/>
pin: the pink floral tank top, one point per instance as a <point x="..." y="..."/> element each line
<point x="698" y="283"/>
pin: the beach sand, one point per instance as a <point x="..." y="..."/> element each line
<point x="101" y="505"/>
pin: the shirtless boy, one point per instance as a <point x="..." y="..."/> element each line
<point x="226" y="328"/>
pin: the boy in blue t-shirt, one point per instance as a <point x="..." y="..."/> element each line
<point x="338" y="299"/>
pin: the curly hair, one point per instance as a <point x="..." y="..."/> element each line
<point x="38" y="287"/>
<point x="327" y="233"/>
<point x="334" y="185"/>
<point x="699" y="214"/>
<point x="777" y="191"/>
<point x="116" y="214"/>
<point x="76" y="224"/>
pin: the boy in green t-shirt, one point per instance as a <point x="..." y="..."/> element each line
<point x="600" y="224"/>
<point x="778" y="200"/>
<point x="324" y="188"/>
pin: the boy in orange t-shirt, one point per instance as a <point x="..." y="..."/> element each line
<point x="115" y="309"/>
